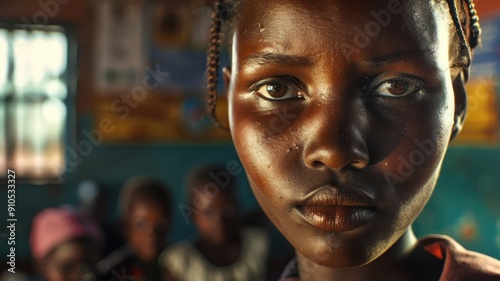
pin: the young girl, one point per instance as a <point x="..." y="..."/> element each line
<point x="341" y="113"/>
<point x="224" y="250"/>
<point x="145" y="210"/>
<point x="65" y="244"/>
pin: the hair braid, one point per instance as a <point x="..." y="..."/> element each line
<point x="475" y="36"/>
<point x="213" y="60"/>
<point x="472" y="22"/>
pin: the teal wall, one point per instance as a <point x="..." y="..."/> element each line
<point x="466" y="200"/>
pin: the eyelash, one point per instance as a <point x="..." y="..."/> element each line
<point x="286" y="81"/>
<point x="413" y="84"/>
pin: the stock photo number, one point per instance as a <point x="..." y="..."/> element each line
<point x="11" y="220"/>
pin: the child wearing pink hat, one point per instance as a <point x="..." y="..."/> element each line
<point x="64" y="243"/>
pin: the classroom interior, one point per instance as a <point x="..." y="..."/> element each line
<point x="96" y="92"/>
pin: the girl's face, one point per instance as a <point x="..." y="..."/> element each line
<point x="216" y="219"/>
<point x="147" y="228"/>
<point x="341" y="112"/>
<point x="71" y="261"/>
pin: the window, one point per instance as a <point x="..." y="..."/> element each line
<point x="34" y="95"/>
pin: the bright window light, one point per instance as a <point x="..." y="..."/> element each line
<point x="33" y="105"/>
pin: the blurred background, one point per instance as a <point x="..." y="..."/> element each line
<point x="95" y="92"/>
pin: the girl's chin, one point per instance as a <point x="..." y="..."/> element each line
<point x="339" y="261"/>
<point x="337" y="250"/>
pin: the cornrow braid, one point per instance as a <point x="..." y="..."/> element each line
<point x="213" y="61"/>
<point x="474" y="38"/>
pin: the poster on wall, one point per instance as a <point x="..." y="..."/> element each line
<point x="487" y="56"/>
<point x="482" y="121"/>
<point x="481" y="124"/>
<point x="165" y="47"/>
<point x="178" y="45"/>
<point x="119" y="51"/>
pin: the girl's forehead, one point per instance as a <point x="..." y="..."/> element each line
<point x="337" y="9"/>
<point x="357" y="27"/>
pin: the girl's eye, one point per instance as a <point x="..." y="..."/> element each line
<point x="277" y="90"/>
<point x="396" y="88"/>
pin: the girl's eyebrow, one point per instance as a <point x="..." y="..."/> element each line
<point x="263" y="58"/>
<point x="398" y="56"/>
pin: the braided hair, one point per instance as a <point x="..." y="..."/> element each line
<point x="468" y="31"/>
<point x="222" y="13"/>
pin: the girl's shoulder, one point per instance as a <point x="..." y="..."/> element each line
<point x="460" y="263"/>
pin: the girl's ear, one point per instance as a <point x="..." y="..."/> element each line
<point x="460" y="104"/>
<point x="226" y="71"/>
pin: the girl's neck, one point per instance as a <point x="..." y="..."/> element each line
<point x="401" y="262"/>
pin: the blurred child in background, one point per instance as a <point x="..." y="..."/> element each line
<point x="65" y="245"/>
<point x="224" y="250"/>
<point x="145" y="211"/>
<point x="93" y="200"/>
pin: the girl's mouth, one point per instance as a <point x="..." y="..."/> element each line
<point x="337" y="218"/>
<point x="337" y="210"/>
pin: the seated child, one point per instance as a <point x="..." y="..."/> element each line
<point x="145" y="211"/>
<point x="65" y="245"/>
<point x="328" y="103"/>
<point x="224" y="251"/>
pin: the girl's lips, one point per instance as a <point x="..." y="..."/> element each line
<point x="337" y="209"/>
<point x="336" y="218"/>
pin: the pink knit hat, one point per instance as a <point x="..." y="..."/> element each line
<point x="53" y="226"/>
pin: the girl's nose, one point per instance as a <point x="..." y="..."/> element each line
<point x="336" y="137"/>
